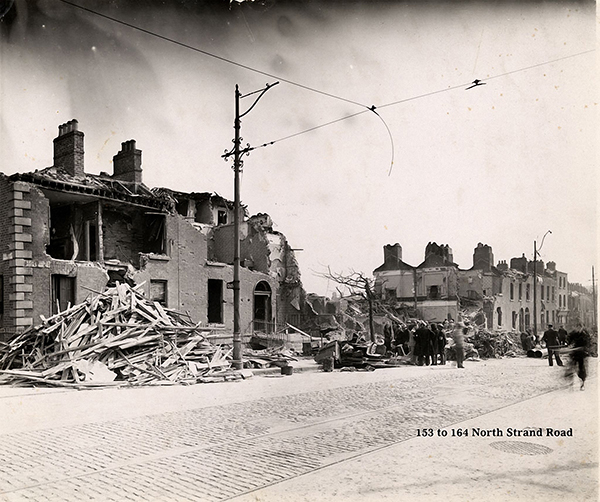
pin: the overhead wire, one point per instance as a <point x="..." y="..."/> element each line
<point x="424" y="95"/>
<point x="212" y="55"/>
<point x="312" y="89"/>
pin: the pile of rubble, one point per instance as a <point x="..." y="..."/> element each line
<point x="112" y="338"/>
<point x="490" y="344"/>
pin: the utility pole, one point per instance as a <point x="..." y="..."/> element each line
<point x="535" y="291"/>
<point x="535" y="252"/>
<point x="237" y="167"/>
<point x="594" y="300"/>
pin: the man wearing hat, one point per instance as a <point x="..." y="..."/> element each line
<point x="552" y="342"/>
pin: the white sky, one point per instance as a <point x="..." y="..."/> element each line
<point x="499" y="164"/>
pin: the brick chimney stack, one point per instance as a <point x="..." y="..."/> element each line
<point x="483" y="258"/>
<point x="392" y="253"/>
<point x="68" y="148"/>
<point x="127" y="164"/>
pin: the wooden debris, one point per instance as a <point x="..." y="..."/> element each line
<point x="116" y="337"/>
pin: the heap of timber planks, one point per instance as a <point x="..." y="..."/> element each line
<point x="113" y="338"/>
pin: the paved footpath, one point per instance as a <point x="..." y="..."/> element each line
<point x="313" y="436"/>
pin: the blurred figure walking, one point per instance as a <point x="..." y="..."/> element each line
<point x="579" y="342"/>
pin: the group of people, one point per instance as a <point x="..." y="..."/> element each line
<point x="425" y="342"/>
<point x="576" y="344"/>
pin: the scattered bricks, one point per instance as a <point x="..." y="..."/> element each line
<point x="22" y="204"/>
<point x="23" y="237"/>
<point x="26" y="222"/>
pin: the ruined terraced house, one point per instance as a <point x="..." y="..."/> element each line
<point x="65" y="234"/>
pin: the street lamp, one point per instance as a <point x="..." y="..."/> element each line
<point x="535" y="253"/>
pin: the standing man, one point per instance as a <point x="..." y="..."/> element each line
<point x="550" y="338"/>
<point x="458" y="336"/>
<point x="562" y="335"/>
<point x="440" y="343"/>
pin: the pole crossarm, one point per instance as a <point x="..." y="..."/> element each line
<point x="237" y="141"/>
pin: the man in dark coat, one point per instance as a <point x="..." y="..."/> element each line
<point x="439" y="343"/>
<point x="423" y="344"/>
<point x="579" y="340"/>
<point x="562" y="335"/>
<point x="550" y="338"/>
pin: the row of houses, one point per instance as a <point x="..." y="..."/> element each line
<point x="504" y="293"/>
<point x="66" y="234"/>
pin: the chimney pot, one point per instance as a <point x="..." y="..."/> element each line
<point x="68" y="149"/>
<point x="127" y="164"/>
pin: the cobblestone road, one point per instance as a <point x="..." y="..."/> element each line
<point x="218" y="452"/>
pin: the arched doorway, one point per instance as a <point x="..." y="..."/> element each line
<point x="262" y="308"/>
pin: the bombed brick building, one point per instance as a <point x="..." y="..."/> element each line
<point x="503" y="293"/>
<point x="66" y="234"/>
<point x="431" y="287"/>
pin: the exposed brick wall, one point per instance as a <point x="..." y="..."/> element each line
<point x="187" y="275"/>
<point x="254" y="247"/>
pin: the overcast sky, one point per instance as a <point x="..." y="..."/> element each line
<point x="500" y="164"/>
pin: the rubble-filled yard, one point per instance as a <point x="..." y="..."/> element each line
<point x="112" y="338"/>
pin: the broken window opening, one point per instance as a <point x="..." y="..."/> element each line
<point x="63" y="240"/>
<point x="73" y="224"/>
<point x="221" y="217"/>
<point x="182" y="207"/>
<point x="158" y="291"/>
<point x="433" y="292"/>
<point x="215" y="301"/>
<point x="91" y="241"/>
<point x="499" y="316"/>
<point x="155" y="236"/>
<point x="63" y="292"/>
<point x="128" y="231"/>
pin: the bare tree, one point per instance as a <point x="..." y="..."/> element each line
<point x="357" y="283"/>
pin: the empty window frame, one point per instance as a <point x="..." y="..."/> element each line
<point x="63" y="292"/>
<point x="158" y="291"/>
